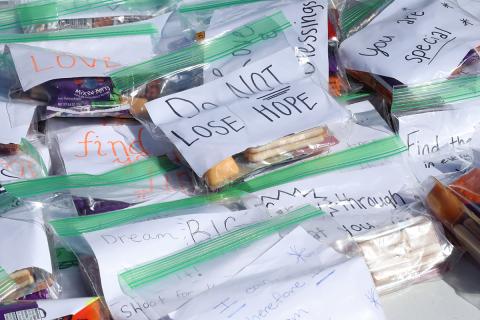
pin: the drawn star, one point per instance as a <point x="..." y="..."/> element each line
<point x="300" y="255"/>
<point x="446" y="5"/>
<point x="405" y="9"/>
<point x="373" y="298"/>
<point x="466" y="22"/>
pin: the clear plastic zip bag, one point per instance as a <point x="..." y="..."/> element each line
<point x="437" y="121"/>
<point x="356" y="14"/>
<point x="411" y="42"/>
<point x="113" y="246"/>
<point x="28" y="160"/>
<point x="454" y="201"/>
<point x="236" y="273"/>
<point x="188" y="67"/>
<point x="59" y="15"/>
<point x="310" y="21"/>
<point x="65" y="72"/>
<point x="27" y="252"/>
<point x="152" y="179"/>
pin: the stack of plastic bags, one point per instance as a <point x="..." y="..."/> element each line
<point x="234" y="159"/>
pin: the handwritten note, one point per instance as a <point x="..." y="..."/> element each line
<point x="413" y="41"/>
<point x="257" y="77"/>
<point x="344" y="192"/>
<point x="308" y="19"/>
<point x="97" y="146"/>
<point x="435" y="139"/>
<point x="228" y="130"/>
<point x="124" y="247"/>
<point x="304" y="281"/>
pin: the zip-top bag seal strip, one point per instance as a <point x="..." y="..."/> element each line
<point x="45" y="11"/>
<point x="215" y="247"/>
<point x="356" y="14"/>
<point x="435" y="94"/>
<point x="7" y="285"/>
<point x="75" y="226"/>
<point x="213" y="5"/>
<point x="198" y="54"/>
<point x="105" y="32"/>
<point x="138" y="171"/>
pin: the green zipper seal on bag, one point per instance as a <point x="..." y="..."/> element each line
<point x="199" y="53"/>
<point x="215" y="4"/>
<point x="377" y="150"/>
<point x="7" y="285"/>
<point x="37" y="12"/>
<point x="76" y="226"/>
<point x="105" y="32"/>
<point x="356" y="156"/>
<point x="435" y="94"/>
<point x="346" y="98"/>
<point x="218" y="246"/>
<point x="138" y="171"/>
<point x="356" y="14"/>
<point x="29" y="149"/>
<point x="8" y="18"/>
<point x="45" y="11"/>
<point x="65" y="258"/>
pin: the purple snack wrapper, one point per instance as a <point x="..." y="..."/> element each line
<point x="88" y="206"/>
<point x="70" y="93"/>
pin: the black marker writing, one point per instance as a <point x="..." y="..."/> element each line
<point x="435" y="41"/>
<point x="378" y="47"/>
<point x="221" y="127"/>
<point x="285" y="107"/>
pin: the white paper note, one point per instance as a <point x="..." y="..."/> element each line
<point x="345" y="192"/>
<point x="97" y="146"/>
<point x="303" y="282"/>
<point x="127" y="246"/>
<point x="413" y="41"/>
<point x="24" y="247"/>
<point x="308" y="19"/>
<point x="259" y="76"/>
<point x="11" y="132"/>
<point x="228" y="130"/>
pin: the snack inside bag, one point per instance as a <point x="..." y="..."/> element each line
<point x="455" y="204"/>
<point x="260" y="47"/>
<point x="240" y="138"/>
<point x="25" y="257"/>
<point x="66" y="72"/>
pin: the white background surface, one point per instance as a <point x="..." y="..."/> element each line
<point x="440" y="299"/>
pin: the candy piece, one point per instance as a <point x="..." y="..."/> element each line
<point x="222" y="173"/>
<point x="137" y="106"/>
<point x="468" y="185"/>
<point x="23" y="278"/>
<point x="445" y="205"/>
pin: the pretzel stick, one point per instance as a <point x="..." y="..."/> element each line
<point x="288" y="140"/>
<point x="261" y="156"/>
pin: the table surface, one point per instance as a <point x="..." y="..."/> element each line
<point x="453" y="297"/>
